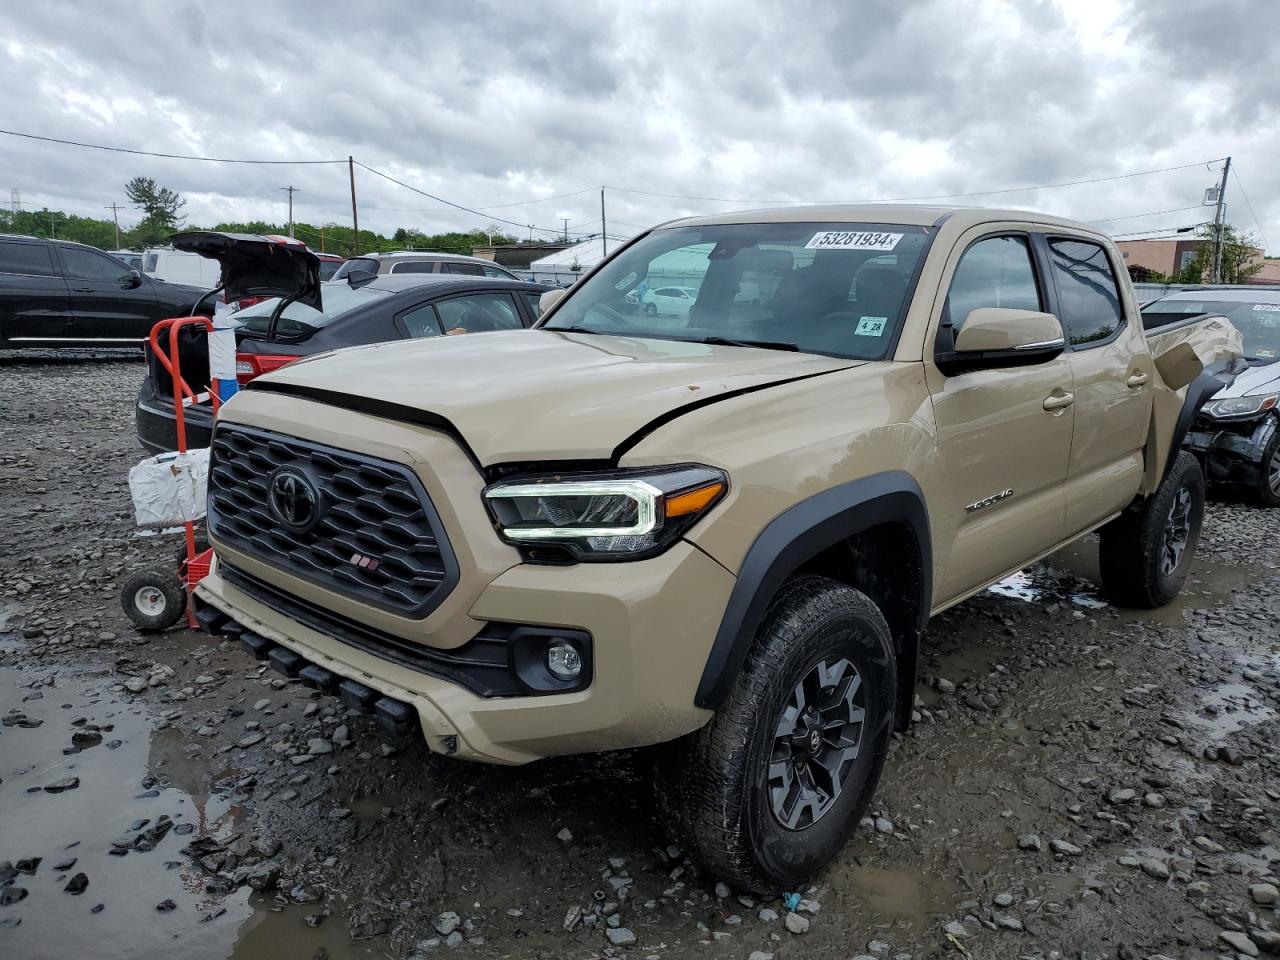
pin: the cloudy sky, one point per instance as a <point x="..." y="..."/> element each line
<point x="676" y="107"/>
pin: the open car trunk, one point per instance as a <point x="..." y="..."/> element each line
<point x="252" y="266"/>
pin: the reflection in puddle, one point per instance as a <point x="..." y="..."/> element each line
<point x="1229" y="707"/>
<point x="897" y="893"/>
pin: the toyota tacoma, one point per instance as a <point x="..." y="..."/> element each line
<point x="720" y="531"/>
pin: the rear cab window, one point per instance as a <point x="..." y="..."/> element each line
<point x="26" y="259"/>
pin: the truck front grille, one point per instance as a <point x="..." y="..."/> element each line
<point x="370" y="532"/>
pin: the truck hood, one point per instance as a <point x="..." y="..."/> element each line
<point x="1261" y="378"/>
<point x="534" y="395"/>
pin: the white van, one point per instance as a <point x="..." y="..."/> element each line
<point x="175" y="266"/>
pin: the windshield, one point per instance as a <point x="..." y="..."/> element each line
<point x="367" y="264"/>
<point x="1258" y="323"/>
<point x="831" y="288"/>
<point x="299" y="319"/>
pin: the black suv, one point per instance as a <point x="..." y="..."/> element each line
<point x="59" y="294"/>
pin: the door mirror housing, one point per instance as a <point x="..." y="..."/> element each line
<point x="133" y="280"/>
<point x="997" y="337"/>
<point x="549" y="300"/>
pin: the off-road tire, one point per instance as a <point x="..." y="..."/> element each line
<point x="713" y="784"/>
<point x="153" y="599"/>
<point x="1266" y="495"/>
<point x="1134" y="544"/>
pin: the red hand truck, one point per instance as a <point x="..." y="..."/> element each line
<point x="156" y="599"/>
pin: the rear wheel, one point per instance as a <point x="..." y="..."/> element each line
<point x="153" y="599"/>
<point x="768" y="792"/>
<point x="1146" y="553"/>
<point x="650" y="309"/>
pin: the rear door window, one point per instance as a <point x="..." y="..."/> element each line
<point x="414" y="266"/>
<point x="1088" y="296"/>
<point x="30" y="259"/>
<point x="479" y="313"/>
<point x="421" y="322"/>
<point x="466" y="269"/>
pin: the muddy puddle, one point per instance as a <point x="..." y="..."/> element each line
<point x="83" y="775"/>
<point x="1071" y="577"/>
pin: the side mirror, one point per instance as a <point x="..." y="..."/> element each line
<point x="549" y="300"/>
<point x="134" y="279"/>
<point x="997" y="337"/>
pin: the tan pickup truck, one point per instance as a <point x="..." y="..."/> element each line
<point x="718" y="521"/>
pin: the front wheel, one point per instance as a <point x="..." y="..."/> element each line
<point x="768" y="792"/>
<point x="1146" y="553"/>
<point x="1269" y="486"/>
<point x="650" y="310"/>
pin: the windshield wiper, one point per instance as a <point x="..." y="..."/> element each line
<point x="570" y="330"/>
<point x="762" y="344"/>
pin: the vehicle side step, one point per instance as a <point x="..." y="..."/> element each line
<point x="395" y="715"/>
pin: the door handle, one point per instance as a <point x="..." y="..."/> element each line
<point x="1059" y="402"/>
<point x="1136" y="380"/>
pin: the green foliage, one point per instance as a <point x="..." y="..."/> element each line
<point x="1240" y="258"/>
<point x="63" y="226"/>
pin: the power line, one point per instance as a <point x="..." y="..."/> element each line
<point x="936" y="196"/>
<point x="456" y="206"/>
<point x="166" y="156"/>
<point x="1137" y="216"/>
<point x="1256" y="222"/>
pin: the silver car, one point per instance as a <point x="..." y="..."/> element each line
<point x="424" y="261"/>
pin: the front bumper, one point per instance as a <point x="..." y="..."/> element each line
<point x="1232" y="452"/>
<point x="652" y="623"/>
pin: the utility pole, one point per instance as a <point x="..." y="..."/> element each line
<point x="53" y="233"/>
<point x="292" y="191"/>
<point x="1219" y="218"/>
<point x="566" y="229"/>
<point x="355" y="217"/>
<point x="604" y="233"/>
<point x="531" y="233"/>
<point x="15" y="199"/>
<point x="322" y="239"/>
<point x="115" y="209"/>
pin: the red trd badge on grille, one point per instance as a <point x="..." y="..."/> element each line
<point x="366" y="563"/>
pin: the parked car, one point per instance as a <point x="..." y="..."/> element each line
<point x="54" y="293"/>
<point x="1237" y="434"/>
<point x="409" y="261"/>
<point x="329" y="264"/>
<point x="385" y="308"/>
<point x="670" y="301"/>
<point x="725" y="536"/>
<point x="178" y="266"/>
<point x="130" y="257"/>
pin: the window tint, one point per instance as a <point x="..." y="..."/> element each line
<point x="421" y="322"/>
<point x="479" y="313"/>
<point x="996" y="272"/>
<point x="1088" y="299"/>
<point x="467" y="269"/>
<point x="87" y="265"/>
<point x="498" y="272"/>
<point x="29" y="258"/>
<point x="414" y="266"/>
<point x="328" y="268"/>
<point x="534" y="300"/>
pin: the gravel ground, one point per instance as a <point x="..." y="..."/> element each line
<point x="1084" y="782"/>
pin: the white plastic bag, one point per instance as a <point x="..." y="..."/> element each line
<point x="170" y="488"/>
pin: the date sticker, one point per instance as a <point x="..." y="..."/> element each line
<point x="871" y="327"/>
<point x="853" y="240"/>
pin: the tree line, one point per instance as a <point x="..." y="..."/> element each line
<point x="161" y="217"/>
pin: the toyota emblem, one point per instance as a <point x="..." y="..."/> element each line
<point x="294" y="499"/>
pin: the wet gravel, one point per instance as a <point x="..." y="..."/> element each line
<point x="1083" y="782"/>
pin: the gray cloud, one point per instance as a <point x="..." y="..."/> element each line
<point x="495" y="103"/>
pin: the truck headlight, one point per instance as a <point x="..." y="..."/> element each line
<point x="1241" y="406"/>
<point x="610" y="515"/>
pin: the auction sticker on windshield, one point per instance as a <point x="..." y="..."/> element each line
<point x="871" y="326"/>
<point x="856" y="240"/>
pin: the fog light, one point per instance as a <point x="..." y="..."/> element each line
<point x="564" y="661"/>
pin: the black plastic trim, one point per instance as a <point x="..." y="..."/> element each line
<point x="490" y="664"/>
<point x="797" y="535"/>
<point x="398" y="412"/>
<point x="1201" y="389"/>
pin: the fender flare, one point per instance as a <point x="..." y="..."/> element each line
<point x="797" y="535"/>
<point x="1199" y="392"/>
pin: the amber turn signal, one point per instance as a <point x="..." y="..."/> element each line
<point x="683" y="504"/>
